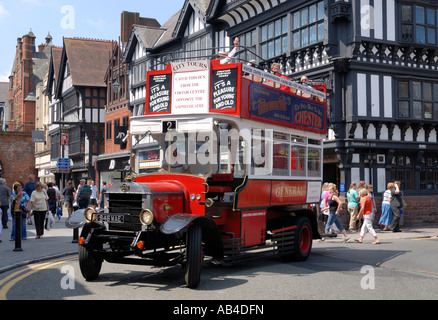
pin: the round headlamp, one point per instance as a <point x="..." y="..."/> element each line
<point x="146" y="217"/>
<point x="90" y="215"/>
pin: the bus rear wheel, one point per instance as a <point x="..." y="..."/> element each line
<point x="303" y="239"/>
<point x="302" y="244"/>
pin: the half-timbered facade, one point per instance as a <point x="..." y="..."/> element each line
<point x="379" y="62"/>
<point x="81" y="93"/>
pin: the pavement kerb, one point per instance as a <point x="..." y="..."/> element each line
<point x="35" y="260"/>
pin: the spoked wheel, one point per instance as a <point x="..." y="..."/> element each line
<point x="194" y="257"/>
<point x="89" y="263"/>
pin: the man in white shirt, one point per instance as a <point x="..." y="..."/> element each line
<point x="94" y="192"/>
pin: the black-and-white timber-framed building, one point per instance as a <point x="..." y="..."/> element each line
<point x="378" y="58"/>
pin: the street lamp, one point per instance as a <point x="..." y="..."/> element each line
<point x="116" y="87"/>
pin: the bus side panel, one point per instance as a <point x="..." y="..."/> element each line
<point x="288" y="192"/>
<point x="257" y="193"/>
<point x="253" y="227"/>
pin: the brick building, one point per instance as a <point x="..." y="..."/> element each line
<point x="29" y="68"/>
<point x="4" y="105"/>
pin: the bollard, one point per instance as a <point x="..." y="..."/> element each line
<point x="18" y="225"/>
<point x="75" y="235"/>
<point x="76" y="230"/>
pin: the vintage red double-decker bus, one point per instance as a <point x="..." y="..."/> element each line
<point x="242" y="157"/>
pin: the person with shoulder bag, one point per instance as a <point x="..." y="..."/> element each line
<point x="69" y="196"/>
<point x="19" y="201"/>
<point x="396" y="206"/>
<point x="40" y="202"/>
<point x="353" y="204"/>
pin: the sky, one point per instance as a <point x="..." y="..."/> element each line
<point x="95" y="19"/>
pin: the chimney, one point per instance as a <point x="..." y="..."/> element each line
<point x="131" y="18"/>
<point x="27" y="47"/>
<point x="41" y="47"/>
<point x="128" y="20"/>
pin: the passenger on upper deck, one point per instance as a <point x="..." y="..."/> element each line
<point x="305" y="82"/>
<point x="226" y="57"/>
<point x="275" y="68"/>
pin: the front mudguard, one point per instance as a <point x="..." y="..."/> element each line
<point x="211" y="236"/>
<point x="76" y="219"/>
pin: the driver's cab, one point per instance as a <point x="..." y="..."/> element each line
<point x="216" y="149"/>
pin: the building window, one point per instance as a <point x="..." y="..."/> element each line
<point x="197" y="48"/>
<point x="422" y="96"/>
<point x="109" y="130"/>
<point x="402" y="170"/>
<point x="55" y="143"/>
<point x="419" y="24"/>
<point x="429" y="173"/>
<point x="274" y="39"/>
<point x="76" y="145"/>
<point x="308" y="25"/>
<point x="249" y="42"/>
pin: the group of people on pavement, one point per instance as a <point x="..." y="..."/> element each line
<point x="43" y="202"/>
<point x="361" y="206"/>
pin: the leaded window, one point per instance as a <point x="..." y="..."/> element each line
<point x="417" y="100"/>
<point x="429" y="173"/>
<point x="274" y="39"/>
<point x="402" y="170"/>
<point x="419" y="24"/>
<point x="308" y="25"/>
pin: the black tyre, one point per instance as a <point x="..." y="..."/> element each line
<point x="194" y="257"/>
<point x="89" y="263"/>
<point x="303" y="239"/>
<point x="300" y="248"/>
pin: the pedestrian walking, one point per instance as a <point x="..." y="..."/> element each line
<point x="366" y="211"/>
<point x="369" y="188"/>
<point x="40" y="202"/>
<point x="102" y="195"/>
<point x="352" y="206"/>
<point x="69" y="196"/>
<point x="94" y="193"/>
<point x="19" y="201"/>
<point x="53" y="198"/>
<point x="5" y="196"/>
<point x="396" y="206"/>
<point x="335" y="205"/>
<point x="30" y="187"/>
<point x="83" y="194"/>
<point x="386" y="216"/>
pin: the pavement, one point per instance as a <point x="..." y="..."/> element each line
<point x="58" y="242"/>
<point x="54" y="244"/>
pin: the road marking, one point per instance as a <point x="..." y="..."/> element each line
<point x="7" y="283"/>
<point x="426" y="238"/>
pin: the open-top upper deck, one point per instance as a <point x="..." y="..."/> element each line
<point x="204" y="87"/>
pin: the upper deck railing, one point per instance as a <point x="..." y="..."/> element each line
<point x="258" y="67"/>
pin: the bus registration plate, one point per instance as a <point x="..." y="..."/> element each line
<point x="110" y="218"/>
